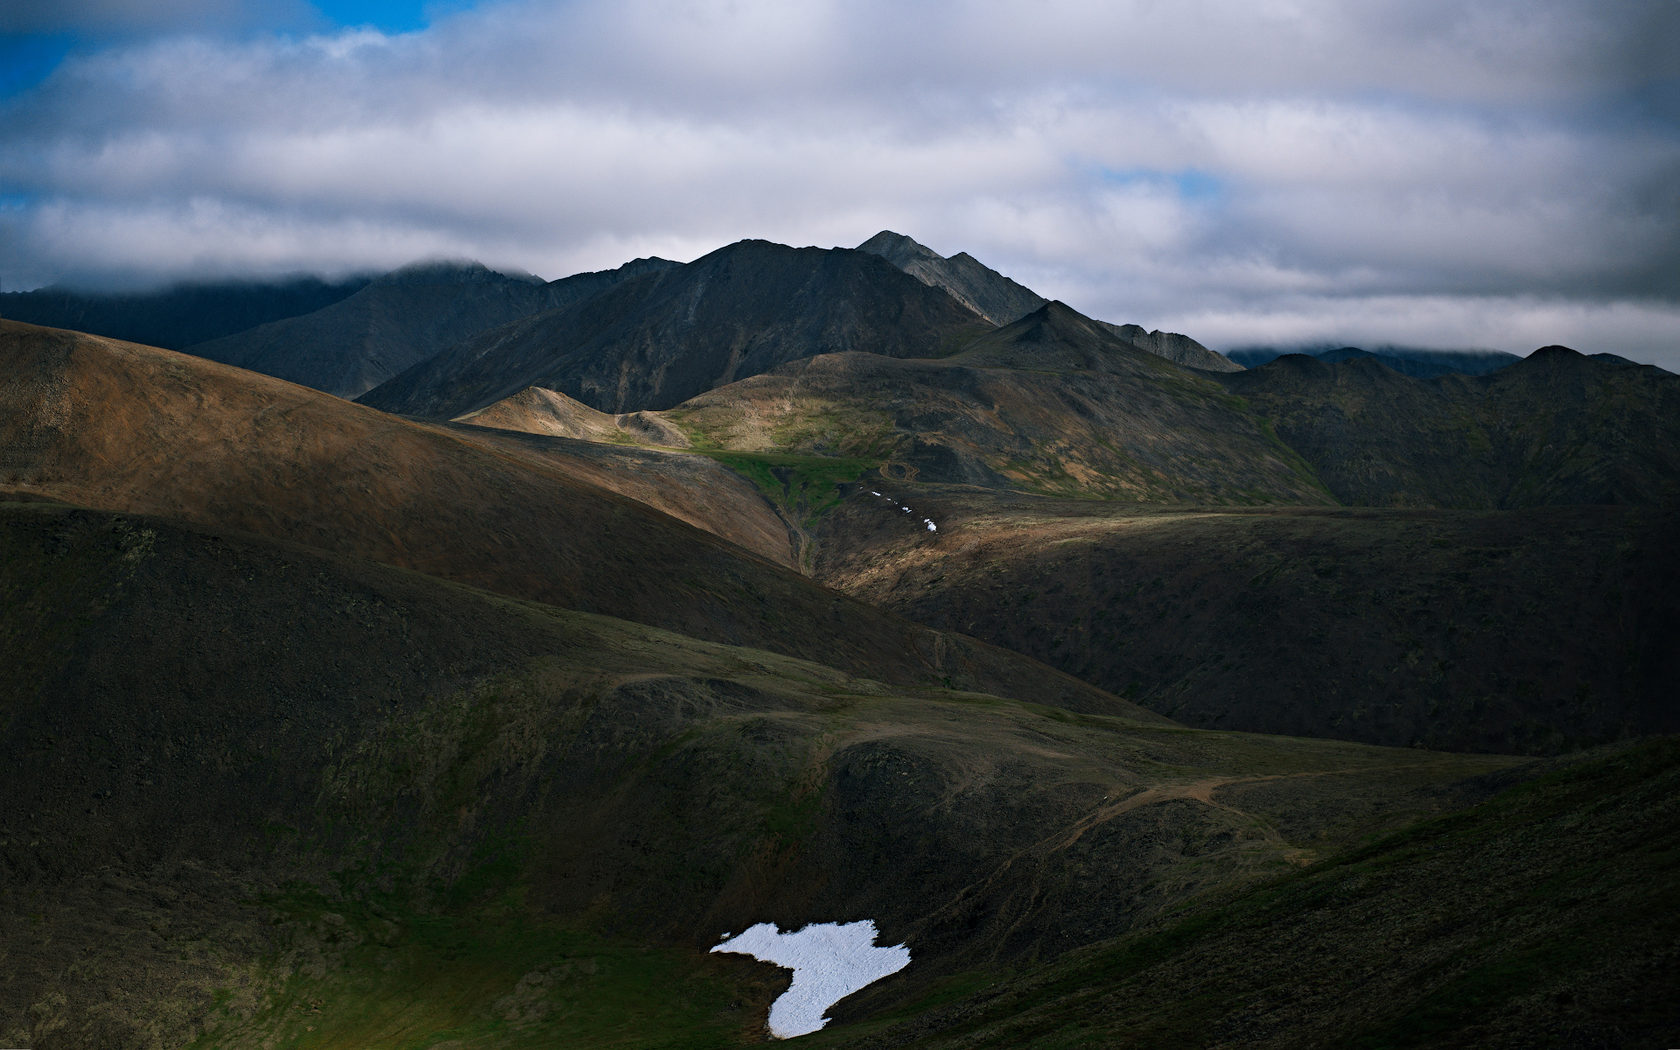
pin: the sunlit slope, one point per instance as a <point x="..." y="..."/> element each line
<point x="129" y="428"/>
<point x="279" y="798"/>
<point x="1536" y="632"/>
<point x="1052" y="403"/>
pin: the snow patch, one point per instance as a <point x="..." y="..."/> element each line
<point x="829" y="962"/>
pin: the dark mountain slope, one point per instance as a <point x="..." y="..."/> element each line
<point x="1536" y="632"/>
<point x="1555" y="428"/>
<point x="1474" y="930"/>
<point x="1053" y="403"/>
<point x="179" y="316"/>
<point x="261" y="796"/>
<point x="135" y="429"/>
<point x="400" y="319"/>
<point x="738" y="312"/>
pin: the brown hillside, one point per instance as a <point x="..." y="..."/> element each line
<point x="123" y="427"/>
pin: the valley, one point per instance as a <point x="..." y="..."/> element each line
<point x="1145" y="703"/>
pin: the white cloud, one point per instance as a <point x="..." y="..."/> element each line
<point x="1205" y="161"/>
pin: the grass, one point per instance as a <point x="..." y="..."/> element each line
<point x="380" y="973"/>
<point x="805" y="487"/>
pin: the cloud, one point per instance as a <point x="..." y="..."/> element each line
<point x="1203" y="161"/>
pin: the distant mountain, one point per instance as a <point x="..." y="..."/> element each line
<point x="1555" y="428"/>
<point x="1407" y="360"/>
<point x="657" y="340"/>
<point x="181" y="315"/>
<point x="398" y="320"/>
<point x="1001" y="301"/>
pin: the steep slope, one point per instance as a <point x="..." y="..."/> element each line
<point x="1001" y="301"/>
<point x="128" y="428"/>
<point x="985" y="291"/>
<point x="694" y="489"/>
<point x="1179" y="349"/>
<point x="400" y="319"/>
<point x="1052" y="403"/>
<point x="655" y="342"/>
<point x="1555" y="428"/>
<point x="266" y="797"/>
<point x="1537" y="632"/>
<point x="181" y="315"/>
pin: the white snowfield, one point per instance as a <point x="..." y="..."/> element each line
<point x="829" y="962"/>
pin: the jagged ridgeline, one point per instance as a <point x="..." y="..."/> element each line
<point x="1142" y="699"/>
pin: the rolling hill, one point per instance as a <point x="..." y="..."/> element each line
<point x="265" y="795"/>
<point x="134" y="429"/>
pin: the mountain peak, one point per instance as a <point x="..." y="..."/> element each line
<point x="899" y="249"/>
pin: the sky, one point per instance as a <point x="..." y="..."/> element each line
<point x="1502" y="174"/>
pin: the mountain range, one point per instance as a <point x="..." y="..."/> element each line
<point x="1148" y="700"/>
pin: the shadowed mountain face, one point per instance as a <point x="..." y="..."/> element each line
<point x="1555" y="428"/>
<point x="402" y="318"/>
<point x="657" y="341"/>
<point x="1052" y="403"/>
<point x="1535" y="632"/>
<point x="129" y="428"/>
<point x="180" y="316"/>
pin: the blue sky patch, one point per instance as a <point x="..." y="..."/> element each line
<point x="1190" y="184"/>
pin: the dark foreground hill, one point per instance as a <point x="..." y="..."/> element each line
<point x="266" y="797"/>
<point x="654" y="342"/>
<point x="1538" y="632"/>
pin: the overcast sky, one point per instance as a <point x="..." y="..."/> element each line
<point x="1503" y="173"/>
